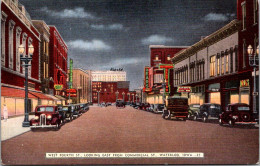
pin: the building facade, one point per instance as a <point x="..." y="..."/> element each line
<point x="108" y="76"/>
<point x="58" y="51"/>
<point x="159" y="73"/>
<point x="82" y="83"/>
<point x="44" y="31"/>
<point x="17" y="29"/>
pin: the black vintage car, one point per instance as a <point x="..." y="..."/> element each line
<point x="207" y="111"/>
<point x="238" y="113"/>
<point x="75" y="110"/>
<point x="120" y="104"/>
<point x="158" y="108"/>
<point x="67" y="111"/>
<point x="192" y="109"/>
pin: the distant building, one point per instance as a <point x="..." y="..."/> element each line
<point x="82" y="83"/>
<point x="108" y="76"/>
<point x="58" y="51"/>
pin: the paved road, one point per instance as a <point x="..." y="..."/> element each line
<point x="129" y="130"/>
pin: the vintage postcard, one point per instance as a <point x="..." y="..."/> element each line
<point x="129" y="82"/>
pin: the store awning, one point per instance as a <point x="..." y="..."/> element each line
<point x="53" y="97"/>
<point x="59" y="97"/>
<point x="13" y="92"/>
<point x="40" y="95"/>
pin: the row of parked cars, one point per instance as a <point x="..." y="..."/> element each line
<point x="178" y="107"/>
<point x="54" y="116"/>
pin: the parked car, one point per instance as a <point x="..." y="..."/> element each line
<point x="238" y="113"/>
<point x="68" y="112"/>
<point x="207" y="111"/>
<point x="120" y="104"/>
<point x="139" y="106"/>
<point x="109" y="103"/>
<point x="158" y="108"/>
<point x="150" y="108"/>
<point x="103" y="104"/>
<point x="177" y="107"/>
<point x="75" y="110"/>
<point x="193" y="108"/>
<point x="146" y="106"/>
<point x="46" y="117"/>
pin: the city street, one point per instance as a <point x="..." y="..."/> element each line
<point x="108" y="129"/>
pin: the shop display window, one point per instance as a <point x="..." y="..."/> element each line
<point x="214" y="98"/>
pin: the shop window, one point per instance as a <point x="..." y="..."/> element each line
<point x="244" y="95"/>
<point x="214" y="98"/>
<point x="234" y="97"/>
<point x="243" y="15"/>
<point x="212" y="66"/>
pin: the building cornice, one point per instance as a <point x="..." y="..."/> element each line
<point x="213" y="38"/>
<point x="163" y="46"/>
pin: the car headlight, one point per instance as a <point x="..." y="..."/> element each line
<point x="48" y="116"/>
<point x="36" y="117"/>
<point x="234" y="117"/>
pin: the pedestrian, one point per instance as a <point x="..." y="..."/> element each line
<point x="5" y="113"/>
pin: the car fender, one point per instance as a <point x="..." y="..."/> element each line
<point x="54" y="120"/>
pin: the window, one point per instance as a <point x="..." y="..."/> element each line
<point x="255" y="11"/>
<point x="244" y="53"/>
<point x="18" y="35"/>
<point x="231" y="60"/>
<point x="212" y="65"/>
<point x="11" y="43"/>
<point x="3" y="21"/>
<point x="24" y="35"/>
<point x="44" y="70"/>
<point x="243" y="15"/>
<point x="236" y="60"/>
<point x="156" y="57"/>
<point x="218" y="64"/>
<point x="222" y="64"/>
<point x="227" y="63"/>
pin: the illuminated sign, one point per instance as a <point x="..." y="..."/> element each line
<point x="58" y="86"/>
<point x="166" y="68"/>
<point x="71" y="93"/>
<point x="70" y="74"/>
<point x="244" y="83"/>
<point x="184" y="89"/>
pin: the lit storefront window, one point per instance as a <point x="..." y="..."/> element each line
<point x="245" y="97"/>
<point x="212" y="65"/>
<point x="214" y="98"/>
<point x="234" y="97"/>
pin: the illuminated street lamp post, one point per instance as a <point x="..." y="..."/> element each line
<point x="253" y="61"/>
<point x="163" y="86"/>
<point x="117" y="95"/>
<point x="123" y="96"/>
<point x="128" y="95"/>
<point x="26" y="60"/>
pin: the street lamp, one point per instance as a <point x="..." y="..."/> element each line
<point x="123" y="96"/>
<point x="117" y="95"/>
<point x="253" y="61"/>
<point x="128" y="95"/>
<point x="164" y="87"/>
<point x="26" y="64"/>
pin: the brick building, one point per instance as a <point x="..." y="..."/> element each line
<point x="159" y="71"/>
<point x="58" y="51"/>
<point x="17" y="29"/>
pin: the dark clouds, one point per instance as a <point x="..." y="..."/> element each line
<point x="116" y="33"/>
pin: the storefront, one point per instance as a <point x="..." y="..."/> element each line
<point x="197" y="95"/>
<point x="214" y="93"/>
<point x="244" y="91"/>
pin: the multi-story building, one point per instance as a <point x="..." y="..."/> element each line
<point x="108" y="76"/>
<point x="159" y="72"/>
<point x="109" y="91"/>
<point x="17" y="29"/>
<point x="82" y="83"/>
<point x="44" y="31"/>
<point x="58" y="52"/>
<point x="217" y="67"/>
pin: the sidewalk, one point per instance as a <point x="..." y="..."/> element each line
<point x="13" y="127"/>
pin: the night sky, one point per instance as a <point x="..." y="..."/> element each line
<point x="104" y="34"/>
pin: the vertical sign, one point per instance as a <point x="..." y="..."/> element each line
<point x="166" y="68"/>
<point x="70" y="76"/>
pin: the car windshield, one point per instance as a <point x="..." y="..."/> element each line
<point x="243" y="108"/>
<point x="65" y="108"/>
<point x="45" y="109"/>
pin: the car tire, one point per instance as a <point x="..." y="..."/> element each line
<point x="71" y="118"/>
<point x="220" y="122"/>
<point x="57" y="126"/>
<point x="204" y="119"/>
<point x="195" y="117"/>
<point x="231" y="123"/>
<point x="168" y="117"/>
<point x="188" y="117"/>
